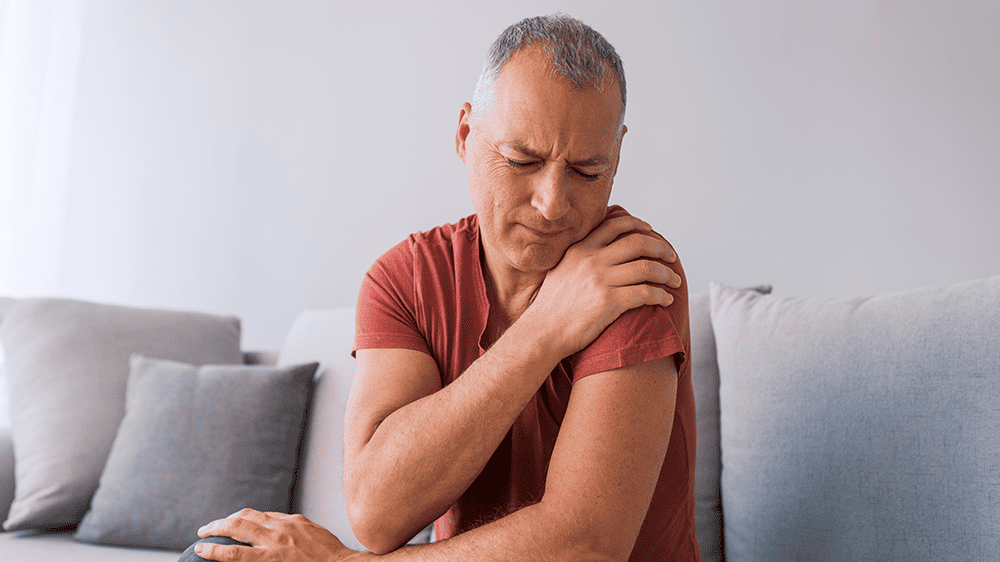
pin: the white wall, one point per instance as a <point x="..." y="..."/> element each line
<point x="255" y="157"/>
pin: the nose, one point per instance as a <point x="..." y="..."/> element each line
<point x="551" y="195"/>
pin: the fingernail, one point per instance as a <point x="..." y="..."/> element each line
<point x="198" y="549"/>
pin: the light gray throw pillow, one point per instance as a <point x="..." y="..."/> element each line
<point x="198" y="444"/>
<point x="67" y="363"/>
<point x="860" y="429"/>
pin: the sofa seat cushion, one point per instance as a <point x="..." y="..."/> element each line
<point x="860" y="429"/>
<point x="28" y="546"/>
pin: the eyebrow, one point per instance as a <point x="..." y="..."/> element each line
<point x="598" y="160"/>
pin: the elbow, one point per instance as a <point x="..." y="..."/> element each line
<point x="584" y="541"/>
<point x="370" y="523"/>
<point x="586" y="549"/>
<point x="378" y="529"/>
<point x="600" y="545"/>
<point x="379" y="543"/>
<point x="594" y="550"/>
<point x="372" y="532"/>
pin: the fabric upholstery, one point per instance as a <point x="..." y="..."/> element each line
<point x="66" y="367"/>
<point x="33" y="546"/>
<point x="198" y="444"/>
<point x="708" y="474"/>
<point x="324" y="336"/>
<point x="6" y="471"/>
<point x="5" y="304"/>
<point x="860" y="429"/>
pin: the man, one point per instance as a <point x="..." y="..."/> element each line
<point x="523" y="375"/>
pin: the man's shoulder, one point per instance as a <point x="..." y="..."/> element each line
<point x="640" y="334"/>
<point x="446" y="234"/>
<point x="439" y="247"/>
<point x="617" y="211"/>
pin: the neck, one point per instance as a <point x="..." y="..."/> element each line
<point x="509" y="291"/>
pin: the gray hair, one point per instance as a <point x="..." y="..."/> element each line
<point x="575" y="50"/>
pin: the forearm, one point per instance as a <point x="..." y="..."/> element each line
<point x="532" y="533"/>
<point x="600" y="481"/>
<point x="393" y="478"/>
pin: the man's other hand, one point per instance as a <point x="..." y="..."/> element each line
<point x="619" y="266"/>
<point x="272" y="537"/>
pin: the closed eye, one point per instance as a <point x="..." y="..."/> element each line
<point x="522" y="165"/>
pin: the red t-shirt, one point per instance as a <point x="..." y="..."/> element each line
<point x="428" y="294"/>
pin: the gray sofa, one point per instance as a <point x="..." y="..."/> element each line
<point x="828" y="429"/>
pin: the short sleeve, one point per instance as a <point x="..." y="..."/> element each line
<point x="639" y="335"/>
<point x="386" y="315"/>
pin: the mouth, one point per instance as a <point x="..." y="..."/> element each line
<point x="544" y="234"/>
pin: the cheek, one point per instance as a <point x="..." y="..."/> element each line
<point x="592" y="204"/>
<point x="494" y="187"/>
<point x="592" y="197"/>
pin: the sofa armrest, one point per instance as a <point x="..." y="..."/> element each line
<point x="6" y="472"/>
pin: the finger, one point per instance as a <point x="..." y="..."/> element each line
<point x="641" y="246"/>
<point x="280" y="515"/>
<point x="644" y="271"/>
<point x="221" y="552"/>
<point x="634" y="296"/>
<point x="606" y="232"/>
<point x="237" y="527"/>
<point x="247" y="513"/>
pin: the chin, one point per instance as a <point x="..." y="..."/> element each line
<point x="539" y="259"/>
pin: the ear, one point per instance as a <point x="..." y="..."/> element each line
<point x="618" y="152"/>
<point x="464" y="129"/>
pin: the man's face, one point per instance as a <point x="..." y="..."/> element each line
<point x="541" y="163"/>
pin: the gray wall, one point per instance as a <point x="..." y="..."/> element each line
<point x="255" y="157"/>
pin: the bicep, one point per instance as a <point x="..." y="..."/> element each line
<point x="611" y="447"/>
<point x="385" y="380"/>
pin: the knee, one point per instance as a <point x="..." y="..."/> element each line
<point x="190" y="556"/>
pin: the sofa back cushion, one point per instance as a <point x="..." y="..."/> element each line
<point x="66" y="367"/>
<point x="860" y="429"/>
<point x="325" y="336"/>
<point x="708" y="471"/>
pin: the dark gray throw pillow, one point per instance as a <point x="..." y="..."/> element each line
<point x="198" y="444"/>
<point x="67" y="363"/>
